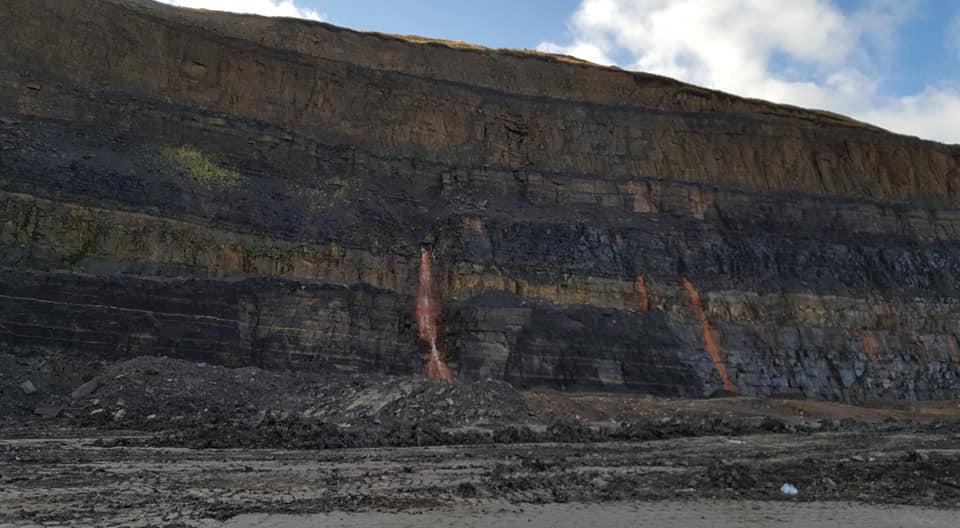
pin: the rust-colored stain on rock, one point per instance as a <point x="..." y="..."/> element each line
<point x="709" y="340"/>
<point x="869" y="342"/>
<point x="644" y="297"/>
<point x="427" y="320"/>
<point x="954" y="352"/>
<point x="699" y="203"/>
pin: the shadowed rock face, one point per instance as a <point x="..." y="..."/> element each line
<point x="246" y="190"/>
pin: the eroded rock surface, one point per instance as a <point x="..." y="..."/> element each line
<point x="251" y="191"/>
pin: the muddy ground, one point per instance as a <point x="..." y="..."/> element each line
<point x="159" y="442"/>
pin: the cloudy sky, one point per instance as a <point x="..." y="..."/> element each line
<point x="894" y="63"/>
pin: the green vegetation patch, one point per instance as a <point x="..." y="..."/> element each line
<point x="202" y="168"/>
<point x="333" y="192"/>
<point x="403" y="248"/>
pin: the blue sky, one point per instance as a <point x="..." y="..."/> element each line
<point x="895" y="63"/>
<point x="493" y="23"/>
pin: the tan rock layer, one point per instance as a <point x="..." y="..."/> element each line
<point x="520" y="72"/>
<point x="431" y="120"/>
<point x="77" y="233"/>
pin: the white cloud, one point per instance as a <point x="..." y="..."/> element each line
<point x="933" y="113"/>
<point x="801" y="52"/>
<point x="275" y="8"/>
<point x="584" y="50"/>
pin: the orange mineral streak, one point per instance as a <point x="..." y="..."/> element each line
<point x="427" y="320"/>
<point x="869" y="343"/>
<point x="954" y="352"/>
<point x="709" y="341"/>
<point x="641" y="287"/>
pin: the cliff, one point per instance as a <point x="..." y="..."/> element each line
<point x="244" y="190"/>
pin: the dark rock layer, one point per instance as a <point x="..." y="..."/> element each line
<point x="591" y="228"/>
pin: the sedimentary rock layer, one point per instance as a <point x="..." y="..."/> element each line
<point x="257" y="191"/>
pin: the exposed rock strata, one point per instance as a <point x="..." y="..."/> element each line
<point x="590" y="227"/>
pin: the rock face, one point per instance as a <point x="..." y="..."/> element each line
<point x="252" y="191"/>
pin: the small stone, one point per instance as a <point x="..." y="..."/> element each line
<point x="28" y="387"/>
<point x="48" y="409"/>
<point x="86" y="389"/>
<point x="117" y="416"/>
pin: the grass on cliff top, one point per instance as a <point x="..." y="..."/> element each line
<point x="461" y="45"/>
<point x="202" y="169"/>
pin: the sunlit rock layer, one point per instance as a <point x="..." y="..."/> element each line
<point x="253" y="191"/>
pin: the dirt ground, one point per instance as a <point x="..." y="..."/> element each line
<point x="691" y="514"/>
<point x="73" y="482"/>
<point x="157" y="442"/>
